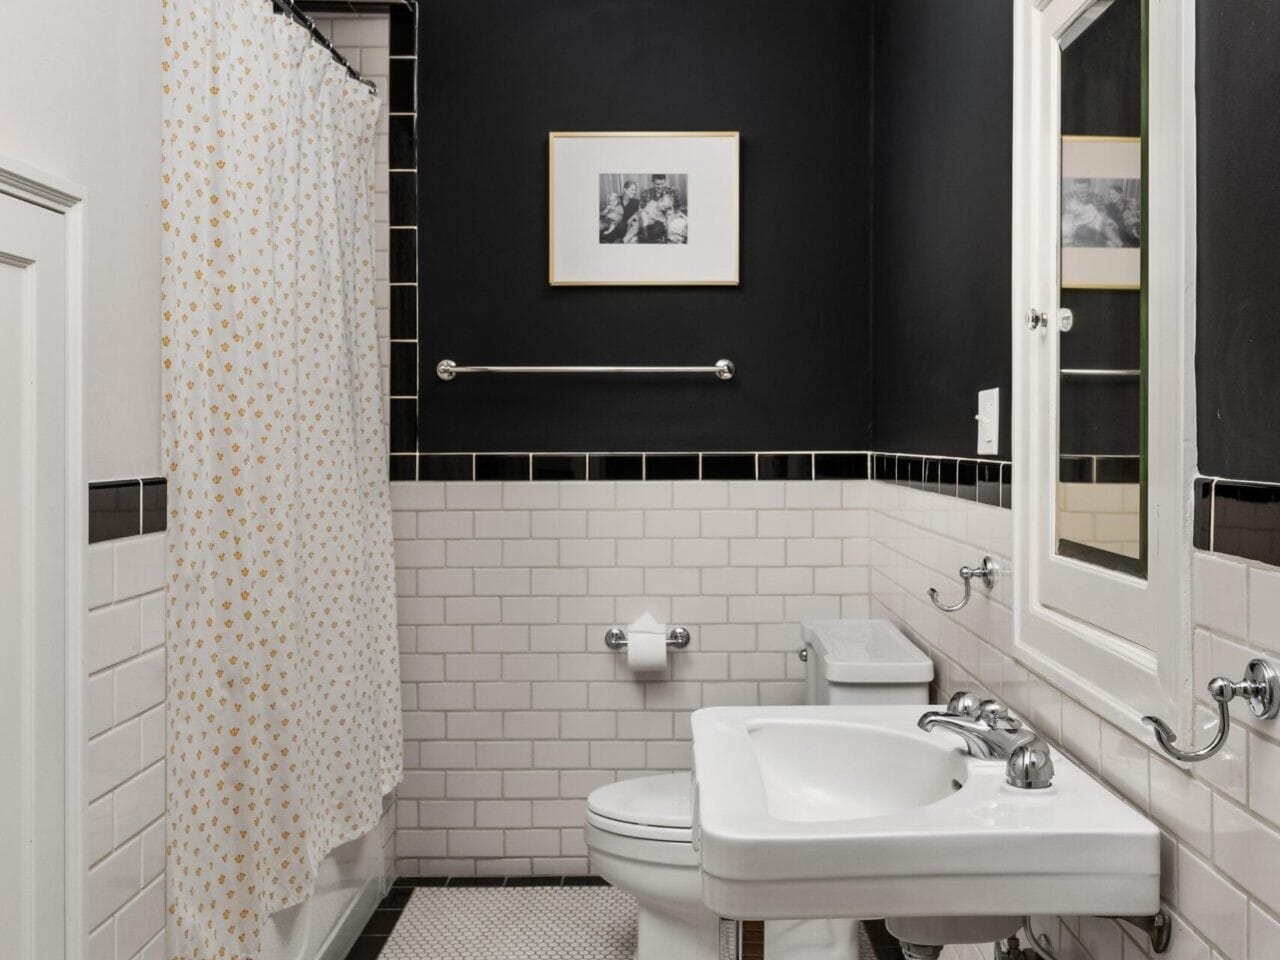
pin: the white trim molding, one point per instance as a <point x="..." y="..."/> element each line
<point x="1119" y="644"/>
<point x="32" y="185"/>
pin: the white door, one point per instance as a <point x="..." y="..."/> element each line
<point x="33" y="576"/>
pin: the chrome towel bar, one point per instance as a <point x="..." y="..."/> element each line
<point x="723" y="369"/>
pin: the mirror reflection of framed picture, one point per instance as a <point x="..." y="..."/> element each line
<point x="1101" y="212"/>
<point x="637" y="209"/>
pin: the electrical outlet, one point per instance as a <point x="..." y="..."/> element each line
<point x="989" y="422"/>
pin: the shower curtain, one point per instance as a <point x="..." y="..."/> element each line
<point x="283" y="705"/>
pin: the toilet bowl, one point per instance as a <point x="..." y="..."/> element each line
<point x="639" y="832"/>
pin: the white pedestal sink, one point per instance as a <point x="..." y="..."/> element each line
<point x="808" y="812"/>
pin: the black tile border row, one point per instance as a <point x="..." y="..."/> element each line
<point x="821" y="465"/>
<point x="988" y="482"/>
<point x="373" y="938"/>
<point x="127" y="508"/>
<point x="1240" y="518"/>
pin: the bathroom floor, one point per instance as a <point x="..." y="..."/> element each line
<point x="518" y="918"/>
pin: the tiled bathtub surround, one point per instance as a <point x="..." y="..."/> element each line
<point x="1221" y="819"/>
<point x="514" y="708"/>
<point x="124" y="792"/>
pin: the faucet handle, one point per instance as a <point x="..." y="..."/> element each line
<point x="996" y="716"/>
<point x="964" y="704"/>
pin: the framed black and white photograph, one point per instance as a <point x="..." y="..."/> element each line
<point x="632" y="209"/>
<point x="1101" y="213"/>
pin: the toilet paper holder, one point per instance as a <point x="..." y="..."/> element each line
<point x="615" y="638"/>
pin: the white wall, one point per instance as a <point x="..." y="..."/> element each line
<point x="515" y="709"/>
<point x="124" y="760"/>
<point x="1220" y="819"/>
<point x="80" y="98"/>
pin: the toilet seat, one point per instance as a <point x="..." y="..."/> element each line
<point x="646" y="808"/>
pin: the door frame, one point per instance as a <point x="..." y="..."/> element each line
<point x="32" y="185"/>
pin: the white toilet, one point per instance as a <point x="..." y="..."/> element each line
<point x="639" y="832"/>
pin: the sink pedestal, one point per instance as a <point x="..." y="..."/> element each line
<point x="940" y="931"/>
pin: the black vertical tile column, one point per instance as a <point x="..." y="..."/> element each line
<point x="402" y="106"/>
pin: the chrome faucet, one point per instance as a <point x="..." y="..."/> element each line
<point x="989" y="733"/>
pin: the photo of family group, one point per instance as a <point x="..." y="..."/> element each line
<point x="644" y="208"/>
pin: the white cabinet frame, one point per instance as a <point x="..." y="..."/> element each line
<point x="1118" y="644"/>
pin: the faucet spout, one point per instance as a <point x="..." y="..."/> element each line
<point x="989" y="733"/>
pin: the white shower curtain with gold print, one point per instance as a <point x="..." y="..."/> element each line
<point x="283" y="704"/>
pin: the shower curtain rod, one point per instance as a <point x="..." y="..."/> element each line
<point x="290" y="8"/>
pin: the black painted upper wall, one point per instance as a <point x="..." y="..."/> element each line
<point x="794" y="78"/>
<point x="1238" y="210"/>
<point x="942" y="233"/>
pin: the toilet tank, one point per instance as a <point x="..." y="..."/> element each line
<point x="852" y="662"/>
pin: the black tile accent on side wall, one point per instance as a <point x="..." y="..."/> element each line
<point x="1246" y="520"/>
<point x="911" y="472"/>
<point x="989" y="484"/>
<point x="155" y="505"/>
<point x="671" y="466"/>
<point x="556" y="466"/>
<point x="404" y="370"/>
<point x="404" y="426"/>
<point x="840" y="466"/>
<point x="404" y="315"/>
<point x="947" y="478"/>
<point x="967" y="479"/>
<point x="886" y="466"/>
<point x="404" y="256"/>
<point x="400" y="86"/>
<point x="115" y="510"/>
<point x="785" y="466"/>
<point x="445" y="466"/>
<point x="403" y="199"/>
<point x="402" y="466"/>
<point x="403" y="34"/>
<point x="1006" y="485"/>
<point x="932" y="475"/>
<point x="728" y="466"/>
<point x="615" y="466"/>
<point x="401" y="145"/>
<point x="1202" y="524"/>
<point x="502" y="466"/>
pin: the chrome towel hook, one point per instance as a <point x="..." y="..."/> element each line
<point x="986" y="573"/>
<point x="1260" y="686"/>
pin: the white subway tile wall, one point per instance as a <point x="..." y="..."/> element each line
<point x="514" y="708"/>
<point x="1221" y="819"/>
<point x="124" y="757"/>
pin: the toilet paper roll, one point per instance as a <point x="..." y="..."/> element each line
<point x="646" y="650"/>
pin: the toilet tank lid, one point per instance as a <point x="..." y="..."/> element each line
<point x="866" y="651"/>
<point x="656" y="801"/>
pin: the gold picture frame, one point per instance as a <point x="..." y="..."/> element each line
<point x="578" y="163"/>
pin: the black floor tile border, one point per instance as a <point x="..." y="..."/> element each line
<point x="1240" y="518"/>
<point x="127" y="508"/>
<point x="548" y="880"/>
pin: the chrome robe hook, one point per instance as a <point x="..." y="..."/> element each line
<point x="986" y="573"/>
<point x="1260" y="686"/>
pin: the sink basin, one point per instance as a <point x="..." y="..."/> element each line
<point x="826" y="811"/>
<point x="870" y="770"/>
